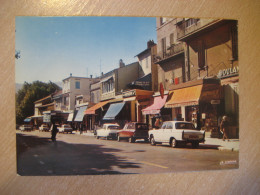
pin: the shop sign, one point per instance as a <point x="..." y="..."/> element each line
<point x="215" y="101"/>
<point x="161" y="90"/>
<point x="129" y="93"/>
<point x="228" y="72"/>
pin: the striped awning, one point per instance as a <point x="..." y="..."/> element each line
<point x="113" y="111"/>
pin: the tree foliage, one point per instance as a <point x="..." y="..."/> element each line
<point x="28" y="94"/>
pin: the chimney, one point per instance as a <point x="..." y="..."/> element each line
<point x="150" y="43"/>
<point x="91" y="76"/>
<point x="102" y="73"/>
<point x="70" y="74"/>
<point x="121" y="63"/>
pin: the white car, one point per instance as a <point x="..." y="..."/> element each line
<point x="26" y="127"/>
<point x="174" y="132"/>
<point x="44" y="127"/>
<point x="65" y="128"/>
<point x="109" y="130"/>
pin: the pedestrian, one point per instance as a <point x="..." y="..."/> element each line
<point x="54" y="131"/>
<point x="224" y="127"/>
<point x="81" y="128"/>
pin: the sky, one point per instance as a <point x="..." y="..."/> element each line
<point x="53" y="47"/>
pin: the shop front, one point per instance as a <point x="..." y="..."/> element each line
<point x="230" y="84"/>
<point x="137" y="100"/>
<point x="200" y="102"/>
<point x="155" y="110"/>
<point x="80" y="119"/>
<point x="95" y="113"/>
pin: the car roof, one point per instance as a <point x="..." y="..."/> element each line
<point x="110" y="124"/>
<point x="178" y="122"/>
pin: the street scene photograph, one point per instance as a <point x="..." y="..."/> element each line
<point x="126" y="95"/>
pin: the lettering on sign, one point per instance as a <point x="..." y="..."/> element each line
<point x="228" y="72"/>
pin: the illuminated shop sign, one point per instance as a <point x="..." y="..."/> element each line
<point x="228" y="72"/>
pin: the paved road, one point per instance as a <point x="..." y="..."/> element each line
<point x="84" y="155"/>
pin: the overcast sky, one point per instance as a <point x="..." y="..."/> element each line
<point x="53" y="47"/>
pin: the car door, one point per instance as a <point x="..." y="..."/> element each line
<point x="158" y="134"/>
<point x="167" y="132"/>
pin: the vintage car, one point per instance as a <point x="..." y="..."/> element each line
<point x="108" y="130"/>
<point x="26" y="127"/>
<point x="65" y="129"/>
<point x="175" y="132"/>
<point x="133" y="131"/>
<point x="44" y="127"/>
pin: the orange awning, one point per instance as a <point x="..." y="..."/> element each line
<point x="95" y="107"/>
<point x="184" y="97"/>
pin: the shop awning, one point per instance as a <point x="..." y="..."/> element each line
<point x="142" y="83"/>
<point x="113" y="110"/>
<point x="156" y="106"/>
<point x="27" y="120"/>
<point x="188" y="96"/>
<point x="93" y="109"/>
<point x="80" y="114"/>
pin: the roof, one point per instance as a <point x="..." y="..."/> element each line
<point x="49" y="96"/>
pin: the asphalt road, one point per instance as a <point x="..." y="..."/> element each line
<point x="85" y="155"/>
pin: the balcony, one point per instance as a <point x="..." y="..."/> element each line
<point x="173" y="50"/>
<point x="186" y="28"/>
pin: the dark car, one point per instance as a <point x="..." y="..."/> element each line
<point x="133" y="131"/>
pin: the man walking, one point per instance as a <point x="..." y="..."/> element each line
<point x="54" y="131"/>
<point x="224" y="127"/>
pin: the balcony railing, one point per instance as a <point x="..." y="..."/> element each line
<point x="171" y="51"/>
<point x="188" y="26"/>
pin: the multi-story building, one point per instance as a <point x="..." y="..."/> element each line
<point x="117" y="80"/>
<point x="146" y="60"/>
<point x="210" y="71"/>
<point x="170" y="53"/>
<point x="75" y="90"/>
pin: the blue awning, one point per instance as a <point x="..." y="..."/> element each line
<point x="113" y="110"/>
<point x="80" y="114"/>
<point x="27" y="120"/>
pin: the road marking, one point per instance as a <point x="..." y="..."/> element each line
<point x="152" y="164"/>
<point x="41" y="162"/>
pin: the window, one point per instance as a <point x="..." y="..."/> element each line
<point x="77" y="85"/>
<point x="163" y="42"/>
<point x="191" y="22"/>
<point x="162" y="20"/>
<point x="234" y="43"/>
<point x="201" y="54"/>
<point x="171" y="39"/>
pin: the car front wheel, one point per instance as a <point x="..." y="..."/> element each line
<point x="131" y="140"/>
<point x="173" y="143"/>
<point x="195" y="144"/>
<point x="152" y="141"/>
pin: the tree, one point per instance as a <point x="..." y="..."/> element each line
<point x="28" y="94"/>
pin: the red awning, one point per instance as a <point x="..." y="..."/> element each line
<point x="95" y="107"/>
<point x="156" y="106"/>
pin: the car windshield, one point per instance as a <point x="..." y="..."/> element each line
<point x="142" y="127"/>
<point x="184" y="126"/>
<point x="113" y="127"/>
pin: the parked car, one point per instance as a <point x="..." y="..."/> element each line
<point x="175" y="132"/>
<point x="133" y="131"/>
<point x="44" y="127"/>
<point x="108" y="130"/>
<point x="65" y="129"/>
<point x="26" y="128"/>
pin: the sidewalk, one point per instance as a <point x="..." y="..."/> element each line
<point x="210" y="143"/>
<point x="231" y="145"/>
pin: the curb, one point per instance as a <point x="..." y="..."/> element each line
<point x="221" y="148"/>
